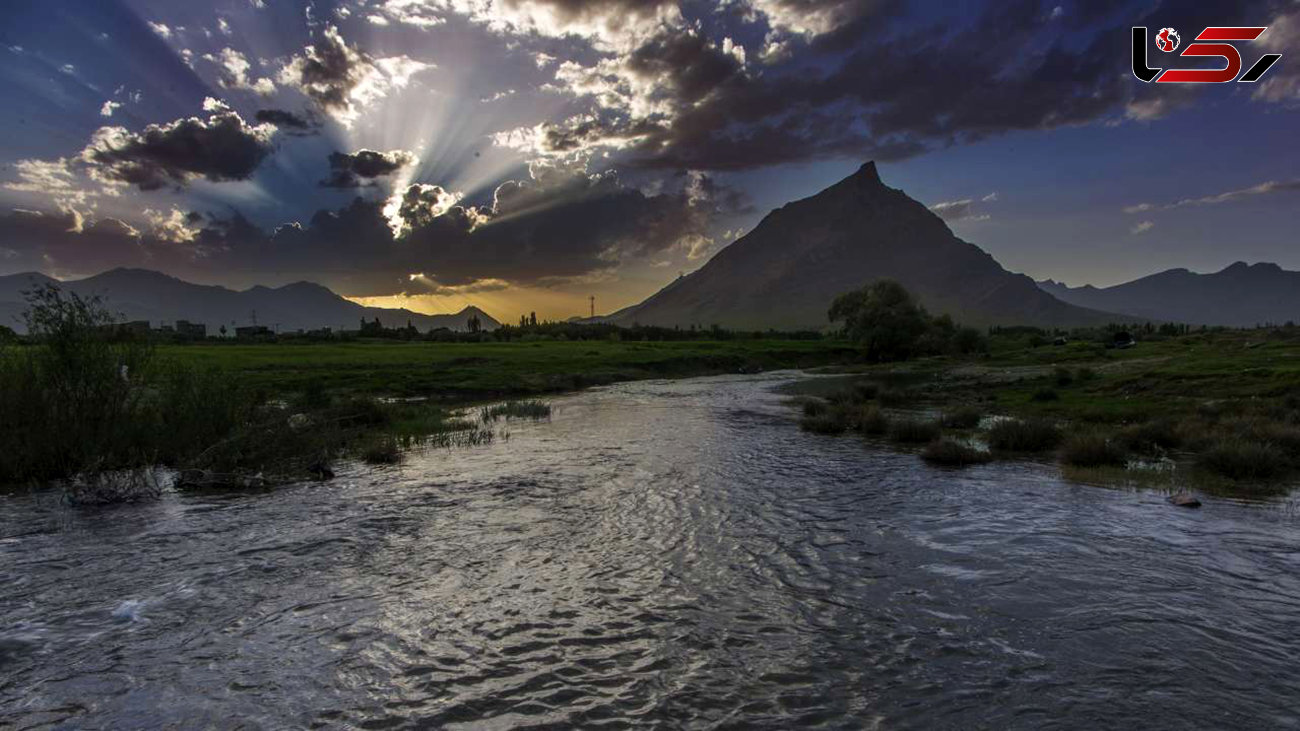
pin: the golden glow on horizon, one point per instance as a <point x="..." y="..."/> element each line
<point x="506" y="305"/>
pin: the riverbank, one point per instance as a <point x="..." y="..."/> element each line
<point x="1220" y="410"/>
<point x="285" y="412"/>
<point x="458" y="373"/>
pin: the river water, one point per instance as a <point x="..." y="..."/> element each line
<point x="659" y="555"/>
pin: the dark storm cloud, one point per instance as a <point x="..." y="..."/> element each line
<point x="328" y="70"/>
<point x="353" y="170"/>
<point x="288" y="122"/>
<point x="557" y="226"/>
<point x="687" y="65"/>
<point x="220" y="148"/>
<point x="890" y="89"/>
<point x="560" y="225"/>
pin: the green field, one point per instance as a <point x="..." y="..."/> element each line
<point x="1161" y="377"/>
<point x="1220" y="408"/>
<point x="473" y="371"/>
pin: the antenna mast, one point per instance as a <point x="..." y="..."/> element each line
<point x="592" y="298"/>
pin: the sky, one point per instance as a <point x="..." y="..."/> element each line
<point x="526" y="155"/>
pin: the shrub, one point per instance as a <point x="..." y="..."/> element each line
<point x="1084" y="374"/>
<point x="871" y="420"/>
<point x="1015" y="435"/>
<point x="866" y="391"/>
<point x="815" y="407"/>
<point x="951" y="453"/>
<point x="1151" y="436"/>
<point x="914" y="431"/>
<point x="74" y="400"/>
<point x="1062" y="376"/>
<point x="827" y="422"/>
<point x="1045" y="394"/>
<point x="1283" y="436"/>
<point x="1092" y="449"/>
<point x="384" y="450"/>
<point x="1240" y="459"/>
<point x="965" y="417"/>
<point x="894" y="397"/>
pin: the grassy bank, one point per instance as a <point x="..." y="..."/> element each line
<point x="1222" y="407"/>
<point x="83" y="400"/>
<point x="462" y="372"/>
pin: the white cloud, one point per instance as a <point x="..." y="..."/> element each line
<point x="962" y="210"/>
<point x="232" y="73"/>
<point x="109" y="107"/>
<point x="173" y="225"/>
<point x="1266" y="188"/>
<point x="1141" y="227"/>
<point x="160" y="29"/>
<point x="342" y="80"/>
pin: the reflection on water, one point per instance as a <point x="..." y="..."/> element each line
<point x="658" y="554"/>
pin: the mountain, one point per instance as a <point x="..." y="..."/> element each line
<point x="140" y="294"/>
<point x="785" y="272"/>
<point x="1242" y="295"/>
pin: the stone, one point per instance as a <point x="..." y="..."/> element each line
<point x="1184" y="499"/>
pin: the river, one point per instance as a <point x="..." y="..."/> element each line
<point x="665" y="554"/>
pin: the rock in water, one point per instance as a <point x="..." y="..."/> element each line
<point x="1184" y="499"/>
<point x="320" y="471"/>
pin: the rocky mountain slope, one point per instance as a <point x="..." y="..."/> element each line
<point x="785" y="272"/>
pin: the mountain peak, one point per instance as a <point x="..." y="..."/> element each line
<point x="867" y="176"/>
<point x="868" y="172"/>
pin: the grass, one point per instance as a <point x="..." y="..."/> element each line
<point x="1018" y="435"/>
<point x="1241" y="459"/>
<point x="962" y="417"/>
<point x="464" y="372"/>
<point x="914" y="431"/>
<point x="952" y="453"/>
<point x="383" y="450"/>
<point x="530" y="409"/>
<point x="1093" y="449"/>
<point x="872" y="420"/>
<point x="826" y="423"/>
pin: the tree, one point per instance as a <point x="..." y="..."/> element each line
<point x="883" y="317"/>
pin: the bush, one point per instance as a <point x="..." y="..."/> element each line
<point x="384" y="450"/>
<point x="825" y="422"/>
<point x="1092" y="449"/>
<point x="1151" y="436"/>
<point x="815" y="407"/>
<point x="1015" y="435"/>
<point x="1283" y="436"/>
<point x="866" y="391"/>
<point x="894" y="397"/>
<point x="914" y="431"/>
<point x="871" y="420"/>
<point x="1045" y="394"/>
<point x="951" y="453"/>
<point x="965" y="417"/>
<point x="75" y="399"/>
<point x="1062" y="376"/>
<point x="1240" y="459"/>
<point x="1084" y="374"/>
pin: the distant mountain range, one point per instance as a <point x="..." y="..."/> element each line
<point x="785" y="272"/>
<point x="140" y="294"/>
<point x="1243" y="295"/>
